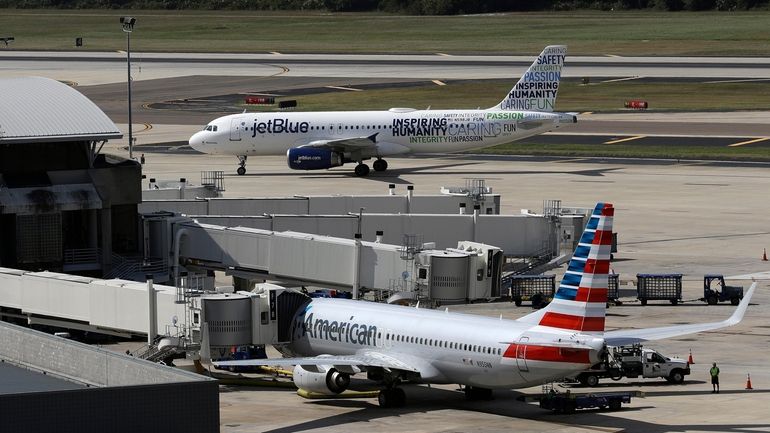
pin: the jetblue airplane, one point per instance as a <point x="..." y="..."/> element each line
<point x="336" y="338"/>
<point x="322" y="140"/>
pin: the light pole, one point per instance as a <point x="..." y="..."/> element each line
<point x="128" y="27"/>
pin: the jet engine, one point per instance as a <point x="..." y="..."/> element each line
<point x="312" y="158"/>
<point x="322" y="379"/>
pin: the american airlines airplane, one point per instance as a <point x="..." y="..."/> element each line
<point x="322" y="140"/>
<point x="336" y="338"/>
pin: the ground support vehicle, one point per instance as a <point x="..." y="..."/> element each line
<point x="720" y="291"/>
<point x="566" y="402"/>
<point x="662" y="287"/>
<point x="634" y="361"/>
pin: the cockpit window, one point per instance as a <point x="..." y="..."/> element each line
<point x="207" y="128"/>
<point x="215" y="128"/>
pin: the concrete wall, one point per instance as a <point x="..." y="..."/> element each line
<point x="177" y="407"/>
<point x="82" y="363"/>
<point x="133" y="395"/>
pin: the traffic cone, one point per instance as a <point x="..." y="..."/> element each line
<point x="748" y="381"/>
<point x="764" y="254"/>
<point x="689" y="359"/>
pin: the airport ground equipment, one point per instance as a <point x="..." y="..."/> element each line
<point x="712" y="296"/>
<point x="566" y="402"/>
<point x="659" y="287"/>
<point x="539" y="289"/>
<point x="634" y="361"/>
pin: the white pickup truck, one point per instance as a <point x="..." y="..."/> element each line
<point x="634" y="361"/>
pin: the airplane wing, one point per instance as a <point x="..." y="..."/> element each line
<point x="342" y="144"/>
<point x="345" y="363"/>
<point x="628" y="336"/>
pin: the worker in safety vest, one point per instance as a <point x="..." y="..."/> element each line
<point x="714" y="371"/>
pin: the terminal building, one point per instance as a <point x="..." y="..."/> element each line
<point x="64" y="206"/>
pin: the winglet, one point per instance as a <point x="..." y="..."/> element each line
<point x="628" y="336"/>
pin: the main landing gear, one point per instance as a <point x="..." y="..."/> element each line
<point x="473" y="393"/>
<point x="392" y="397"/>
<point x="241" y="165"/>
<point x="362" y="169"/>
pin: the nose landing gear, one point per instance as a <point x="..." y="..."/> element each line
<point x="241" y="165"/>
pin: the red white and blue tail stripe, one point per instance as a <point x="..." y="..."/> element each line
<point x="580" y="302"/>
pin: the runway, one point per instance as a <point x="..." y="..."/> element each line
<point x="88" y="68"/>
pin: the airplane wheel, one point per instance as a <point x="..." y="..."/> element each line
<point x="380" y="165"/>
<point x="362" y="170"/>
<point x="392" y="397"/>
<point x="384" y="398"/>
<point x="473" y="393"/>
<point x="241" y="171"/>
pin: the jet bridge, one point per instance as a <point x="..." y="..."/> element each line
<point x="260" y="317"/>
<point x="295" y="258"/>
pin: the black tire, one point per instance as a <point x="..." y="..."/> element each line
<point x="241" y="171"/>
<point x="615" y="374"/>
<point x="712" y="300"/>
<point x="569" y="406"/>
<point x="644" y="302"/>
<point x="517" y="301"/>
<point x="362" y="170"/>
<point x="735" y="301"/>
<point x="473" y="393"/>
<point x="380" y="165"/>
<point x="538" y="301"/>
<point x="674" y="301"/>
<point x="676" y="376"/>
<point x="591" y="380"/>
<point x="615" y="405"/>
<point x="385" y="399"/>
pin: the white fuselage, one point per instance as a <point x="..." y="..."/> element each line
<point x="448" y="347"/>
<point x="397" y="131"/>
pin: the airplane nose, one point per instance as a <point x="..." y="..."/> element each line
<point x="196" y="141"/>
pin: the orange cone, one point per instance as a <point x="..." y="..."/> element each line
<point x="764" y="254"/>
<point x="748" y="381"/>
<point x="689" y="360"/>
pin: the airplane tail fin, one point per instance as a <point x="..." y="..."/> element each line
<point x="536" y="89"/>
<point x="581" y="300"/>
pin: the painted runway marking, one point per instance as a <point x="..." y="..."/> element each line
<point x="621" y="140"/>
<point x="745" y="80"/>
<point x="756" y="140"/>
<point x="612" y="55"/>
<point x="439" y="82"/>
<point x="351" y="89"/>
<point x="621" y="79"/>
<point x="444" y="54"/>
<point x="275" y="52"/>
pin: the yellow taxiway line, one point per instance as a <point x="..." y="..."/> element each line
<point x="621" y="140"/>
<point x="756" y="140"/>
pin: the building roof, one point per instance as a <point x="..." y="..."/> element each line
<point x="35" y="109"/>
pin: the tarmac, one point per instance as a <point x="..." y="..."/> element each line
<point x="690" y="217"/>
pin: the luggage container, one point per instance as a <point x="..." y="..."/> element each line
<point x="659" y="287"/>
<point x="539" y="289"/>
